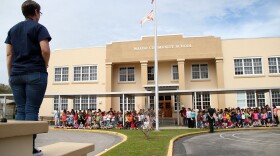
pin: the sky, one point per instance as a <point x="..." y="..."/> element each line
<point x="93" y="23"/>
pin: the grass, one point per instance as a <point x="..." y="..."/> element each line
<point x="137" y="145"/>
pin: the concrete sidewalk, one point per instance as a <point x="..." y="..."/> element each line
<point x="102" y="141"/>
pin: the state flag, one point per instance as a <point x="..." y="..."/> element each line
<point x="148" y="17"/>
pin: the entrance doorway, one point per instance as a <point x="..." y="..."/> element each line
<point x="165" y="106"/>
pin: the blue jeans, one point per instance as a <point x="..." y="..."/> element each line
<point x="28" y="90"/>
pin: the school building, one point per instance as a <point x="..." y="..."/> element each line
<point x="193" y="72"/>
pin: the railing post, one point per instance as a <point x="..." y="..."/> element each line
<point x="4" y="107"/>
<point x="59" y="103"/>
<point x="178" y="117"/>
<point x="271" y="106"/>
<point x="123" y="109"/>
<point x="196" y="112"/>
<point x="4" y="110"/>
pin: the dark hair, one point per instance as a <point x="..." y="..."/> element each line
<point x="28" y="8"/>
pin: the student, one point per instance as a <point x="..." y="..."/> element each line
<point x="275" y="114"/>
<point x="88" y="119"/>
<point x="263" y="118"/>
<point x="255" y="123"/>
<point x="95" y="125"/>
<point x="225" y="124"/>
<point x="56" y="118"/>
<point x="132" y="126"/>
<point x="255" y="116"/>
<point x="189" y="117"/>
<point x="183" y="113"/>
<point x="81" y="126"/>
<point x="230" y="124"/>
<point x="269" y="116"/>
<point x="199" y="119"/>
<point x="28" y="54"/>
<point x="71" y="120"/>
<point x="129" y="120"/>
<point x="120" y="118"/>
<point x="193" y="122"/>
<point x="76" y="125"/>
<point x="243" y="117"/>
<point x="76" y="117"/>
<point x="63" y="118"/>
<point x="239" y="124"/>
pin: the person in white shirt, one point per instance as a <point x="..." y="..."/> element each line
<point x="56" y="118"/>
<point x="189" y="117"/>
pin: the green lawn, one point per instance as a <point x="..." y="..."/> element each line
<point x="137" y="145"/>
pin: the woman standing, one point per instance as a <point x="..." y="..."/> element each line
<point x="28" y="54"/>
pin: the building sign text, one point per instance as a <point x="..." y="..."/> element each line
<point x="171" y="46"/>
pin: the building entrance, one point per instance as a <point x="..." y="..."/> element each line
<point x="165" y="106"/>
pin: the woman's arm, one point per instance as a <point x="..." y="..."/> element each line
<point x="45" y="49"/>
<point x="9" y="50"/>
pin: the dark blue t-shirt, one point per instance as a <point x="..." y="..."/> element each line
<point x="25" y="39"/>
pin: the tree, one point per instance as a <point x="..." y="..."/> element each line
<point x="148" y="121"/>
<point x="5" y="89"/>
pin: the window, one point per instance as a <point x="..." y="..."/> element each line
<point x="274" y="65"/>
<point x="200" y="71"/>
<point x="129" y="103"/>
<point x="248" y="66"/>
<point x="251" y="99"/>
<point x="151" y="73"/>
<point x="276" y="97"/>
<point x="175" y="72"/>
<point x="202" y="100"/>
<point x="152" y="102"/>
<point x="64" y="103"/>
<point x="177" y="102"/>
<point x="61" y="74"/>
<point x="126" y="74"/>
<point x="85" y="102"/>
<point x="85" y="73"/>
<point x="261" y="99"/>
<point x="241" y="99"/>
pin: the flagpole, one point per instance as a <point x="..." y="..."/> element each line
<point x="156" y="65"/>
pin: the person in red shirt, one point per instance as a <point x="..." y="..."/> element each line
<point x="183" y="113"/>
<point x="129" y="120"/>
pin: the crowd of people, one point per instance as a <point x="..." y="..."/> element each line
<point x="231" y="117"/>
<point x="90" y="119"/>
<point x="222" y="118"/>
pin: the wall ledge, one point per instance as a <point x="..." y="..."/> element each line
<point x="22" y="128"/>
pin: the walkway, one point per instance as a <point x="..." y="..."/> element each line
<point x="234" y="143"/>
<point x="101" y="141"/>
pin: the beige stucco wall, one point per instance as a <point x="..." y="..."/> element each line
<point x="77" y="57"/>
<point x="127" y="86"/>
<point x="70" y="58"/>
<point x="192" y="84"/>
<point x="171" y="47"/>
<point x="164" y="73"/>
<point x="242" y="48"/>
